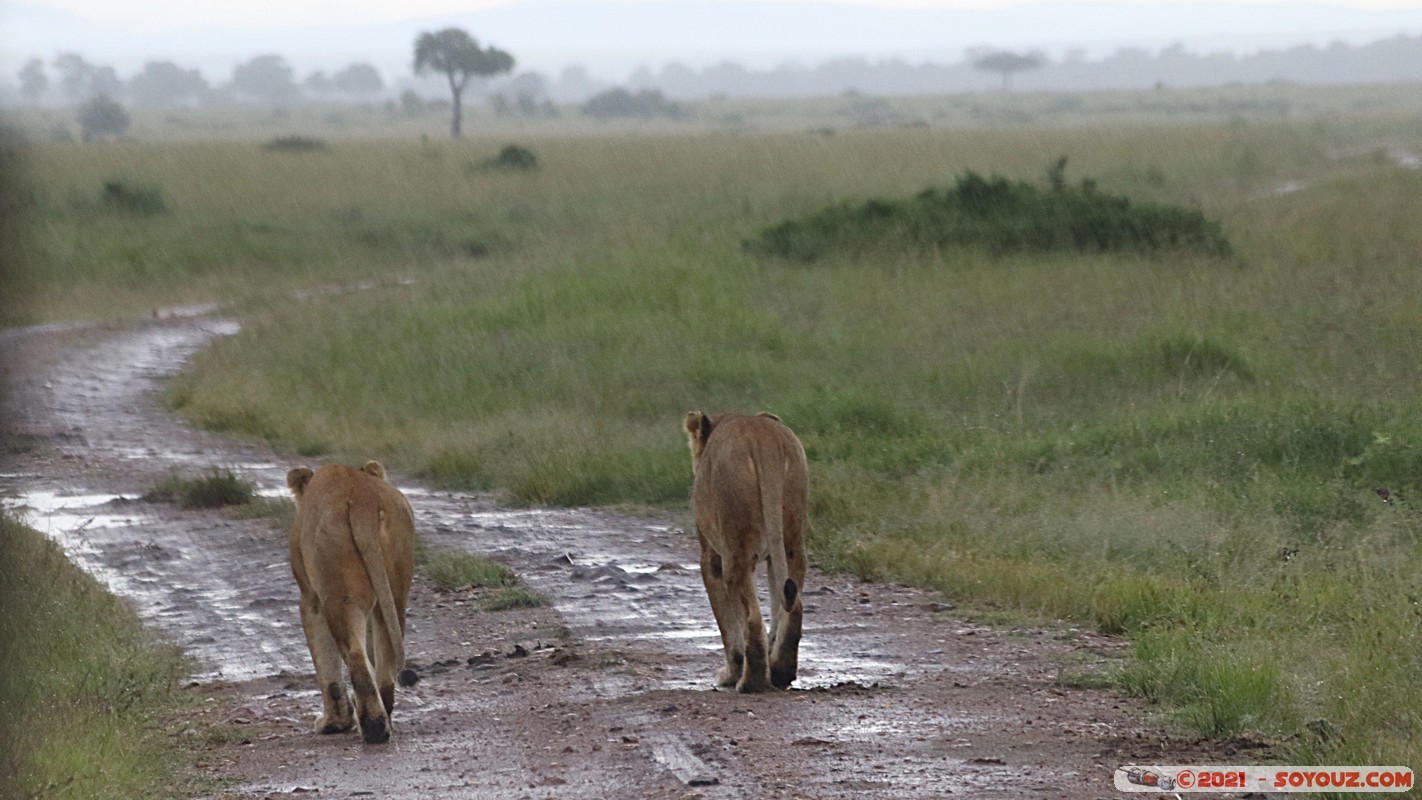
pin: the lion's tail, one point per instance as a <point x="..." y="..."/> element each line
<point x="368" y="530"/>
<point x="771" y="470"/>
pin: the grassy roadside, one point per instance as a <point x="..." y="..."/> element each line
<point x="1184" y="451"/>
<point x="84" y="685"/>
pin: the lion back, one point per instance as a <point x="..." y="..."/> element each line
<point x="732" y="457"/>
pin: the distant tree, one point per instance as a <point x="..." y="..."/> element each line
<point x="76" y="76"/>
<point x="575" y="84"/>
<point x="455" y="54"/>
<point x="411" y="104"/>
<point x="317" y="82"/>
<point x="164" y="84"/>
<point x="102" y="117"/>
<point x="525" y="94"/>
<point x="1008" y="64"/>
<point x="358" y="79"/>
<point x="266" y="79"/>
<point x="33" y="80"/>
<point x="104" y="81"/>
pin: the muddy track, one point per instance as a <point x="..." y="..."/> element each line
<point x="607" y="693"/>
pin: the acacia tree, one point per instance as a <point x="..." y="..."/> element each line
<point x="1008" y="64"/>
<point x="455" y="54"/>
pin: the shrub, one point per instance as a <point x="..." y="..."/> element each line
<point x="1001" y="216"/>
<point x="295" y="144"/>
<point x="132" y="198"/>
<point x="645" y="104"/>
<point x="512" y="157"/>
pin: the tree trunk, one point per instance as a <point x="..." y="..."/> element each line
<point x="456" y="88"/>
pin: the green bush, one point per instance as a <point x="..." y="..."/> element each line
<point x="999" y="215"/>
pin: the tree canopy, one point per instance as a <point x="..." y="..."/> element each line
<point x="165" y="84"/>
<point x="1008" y="64"/>
<point x="455" y="54"/>
<point x="267" y="79"/>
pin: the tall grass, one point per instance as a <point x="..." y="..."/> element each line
<point x="82" y="683"/>
<point x="1184" y="452"/>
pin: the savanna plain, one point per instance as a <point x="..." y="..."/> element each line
<point x="1211" y="452"/>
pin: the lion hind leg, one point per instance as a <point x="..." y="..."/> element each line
<point x="370" y="709"/>
<point x="745" y="617"/>
<point x="788" y="612"/>
<point x="337" y="714"/>
<point x="732" y="638"/>
<point x="386" y="664"/>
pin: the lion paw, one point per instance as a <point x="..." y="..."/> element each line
<point x="728" y="677"/>
<point x="334" y="725"/>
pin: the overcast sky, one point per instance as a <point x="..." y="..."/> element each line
<point x="270" y="14"/>
<point x="613" y="36"/>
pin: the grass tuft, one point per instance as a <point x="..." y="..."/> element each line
<point x="217" y="489"/>
<point x="452" y="571"/>
<point x="516" y="597"/>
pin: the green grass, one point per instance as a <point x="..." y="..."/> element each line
<point x="84" y="686"/>
<point x="1181" y="451"/>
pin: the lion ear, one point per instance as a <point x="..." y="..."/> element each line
<point x="297" y="479"/>
<point x="698" y="427"/>
<point x="768" y="414"/>
<point x="374" y="469"/>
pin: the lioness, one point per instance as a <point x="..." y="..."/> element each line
<point x="353" y="554"/>
<point x="749" y="494"/>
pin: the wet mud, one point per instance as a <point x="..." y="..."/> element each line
<point x="608" y="692"/>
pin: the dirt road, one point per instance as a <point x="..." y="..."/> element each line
<point x="608" y="693"/>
